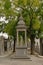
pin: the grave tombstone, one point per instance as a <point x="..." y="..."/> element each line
<point x="1" y="45"/>
<point x="5" y="45"/>
<point x="37" y="45"/>
<point x="41" y="46"/>
<point x="8" y="45"/>
<point x="21" y="45"/>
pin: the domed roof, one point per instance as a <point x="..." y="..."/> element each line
<point x="21" y="23"/>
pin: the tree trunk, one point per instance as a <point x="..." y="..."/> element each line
<point x="32" y="44"/>
<point x="14" y="46"/>
<point x="41" y="46"/>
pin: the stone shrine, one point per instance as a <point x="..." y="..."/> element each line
<point x="21" y="44"/>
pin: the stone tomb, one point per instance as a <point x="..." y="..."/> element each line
<point x="21" y="44"/>
<point x="1" y="46"/>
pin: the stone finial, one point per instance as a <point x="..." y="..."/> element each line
<point x="21" y="21"/>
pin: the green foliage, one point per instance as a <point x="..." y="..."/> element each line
<point x="1" y="26"/>
<point x="20" y="2"/>
<point x="7" y="4"/>
<point x="41" y="27"/>
<point x="29" y="14"/>
<point x="7" y="8"/>
<point x="36" y="24"/>
<point x="26" y="17"/>
<point x="10" y="28"/>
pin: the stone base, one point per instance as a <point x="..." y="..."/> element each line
<point x="21" y="53"/>
<point x="18" y="57"/>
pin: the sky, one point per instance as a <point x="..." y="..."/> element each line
<point x="3" y="19"/>
<point x="5" y="35"/>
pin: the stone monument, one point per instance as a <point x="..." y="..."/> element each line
<point x="1" y="45"/>
<point x="21" y="46"/>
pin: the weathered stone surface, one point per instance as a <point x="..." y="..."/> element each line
<point x="21" y="50"/>
<point x="1" y="45"/>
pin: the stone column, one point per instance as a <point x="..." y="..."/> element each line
<point x="17" y="38"/>
<point x="8" y="46"/>
<point x="2" y="45"/>
<point x="25" y="38"/>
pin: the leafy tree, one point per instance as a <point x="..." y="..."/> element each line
<point x="1" y="26"/>
<point x="30" y="10"/>
<point x="1" y="8"/>
<point x="7" y="4"/>
<point x="10" y="28"/>
<point x="41" y="18"/>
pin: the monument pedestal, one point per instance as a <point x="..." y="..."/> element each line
<point x="21" y="53"/>
<point x="21" y="44"/>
